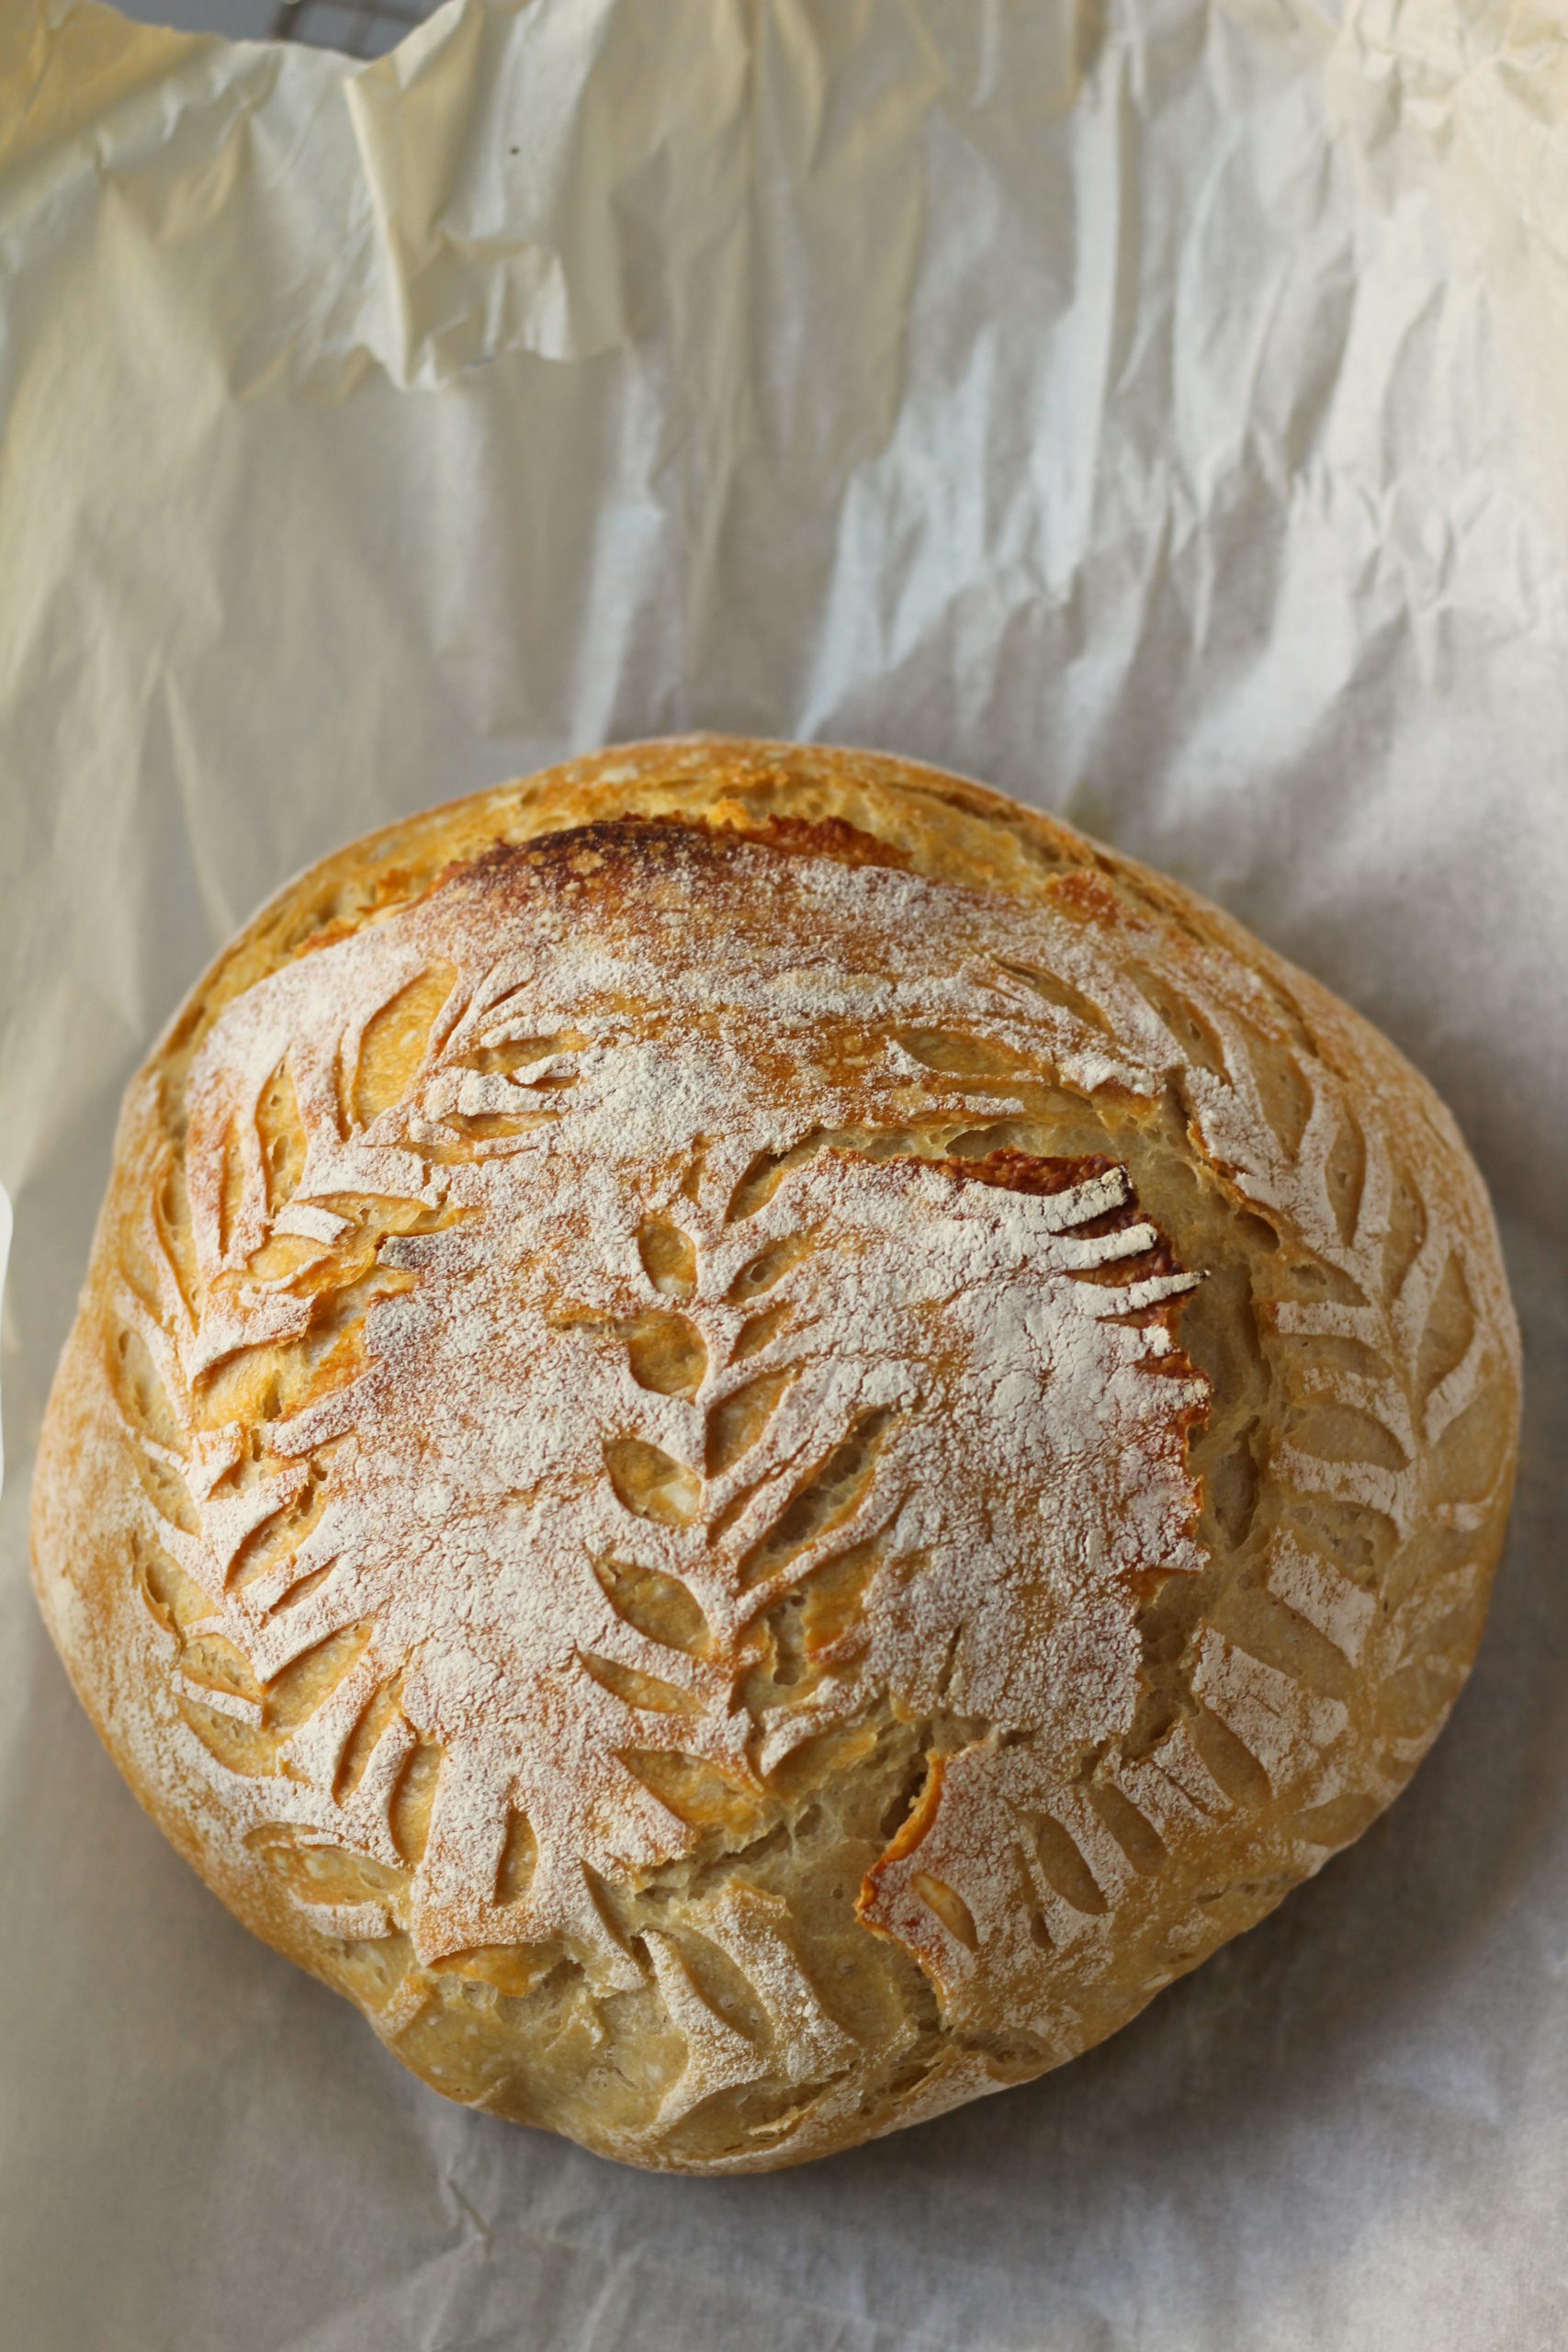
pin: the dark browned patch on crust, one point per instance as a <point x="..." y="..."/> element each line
<point x="831" y="837"/>
<point x="1020" y="1172"/>
<point x="631" y="850"/>
<point x="1088" y="897"/>
<point x="1011" y="1170"/>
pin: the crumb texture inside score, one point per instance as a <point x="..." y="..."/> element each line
<point x="753" y="1439"/>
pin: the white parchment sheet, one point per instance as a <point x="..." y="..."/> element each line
<point x="1159" y="410"/>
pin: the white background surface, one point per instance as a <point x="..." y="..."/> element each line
<point x="1152" y="408"/>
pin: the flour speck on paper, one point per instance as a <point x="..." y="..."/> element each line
<point x="1150" y="407"/>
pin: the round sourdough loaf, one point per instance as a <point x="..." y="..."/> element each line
<point x="753" y="1438"/>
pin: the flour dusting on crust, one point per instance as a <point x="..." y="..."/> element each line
<point x="966" y="1379"/>
<point x="590" y="1353"/>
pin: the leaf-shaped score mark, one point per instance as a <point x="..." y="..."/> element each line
<point x="517" y="1057"/>
<point x="739" y="1420"/>
<point x="651" y="1484"/>
<point x="760" y="1331"/>
<point x="768" y="1267"/>
<point x="824" y="1499"/>
<point x="393" y="1041"/>
<point x="1449" y="1332"/>
<point x="650" y="1693"/>
<point x="1054" y="988"/>
<point x="657" y="1606"/>
<point x="280" y="1135"/>
<point x="969" y="1059"/>
<point x="948" y="1905"/>
<point x="666" y="1353"/>
<point x="668" y="1258"/>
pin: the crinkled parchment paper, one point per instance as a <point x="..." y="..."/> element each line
<point x="1156" y="409"/>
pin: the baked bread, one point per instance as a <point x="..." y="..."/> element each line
<point x="753" y="1438"/>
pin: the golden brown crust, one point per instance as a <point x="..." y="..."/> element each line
<point x="784" y="1942"/>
